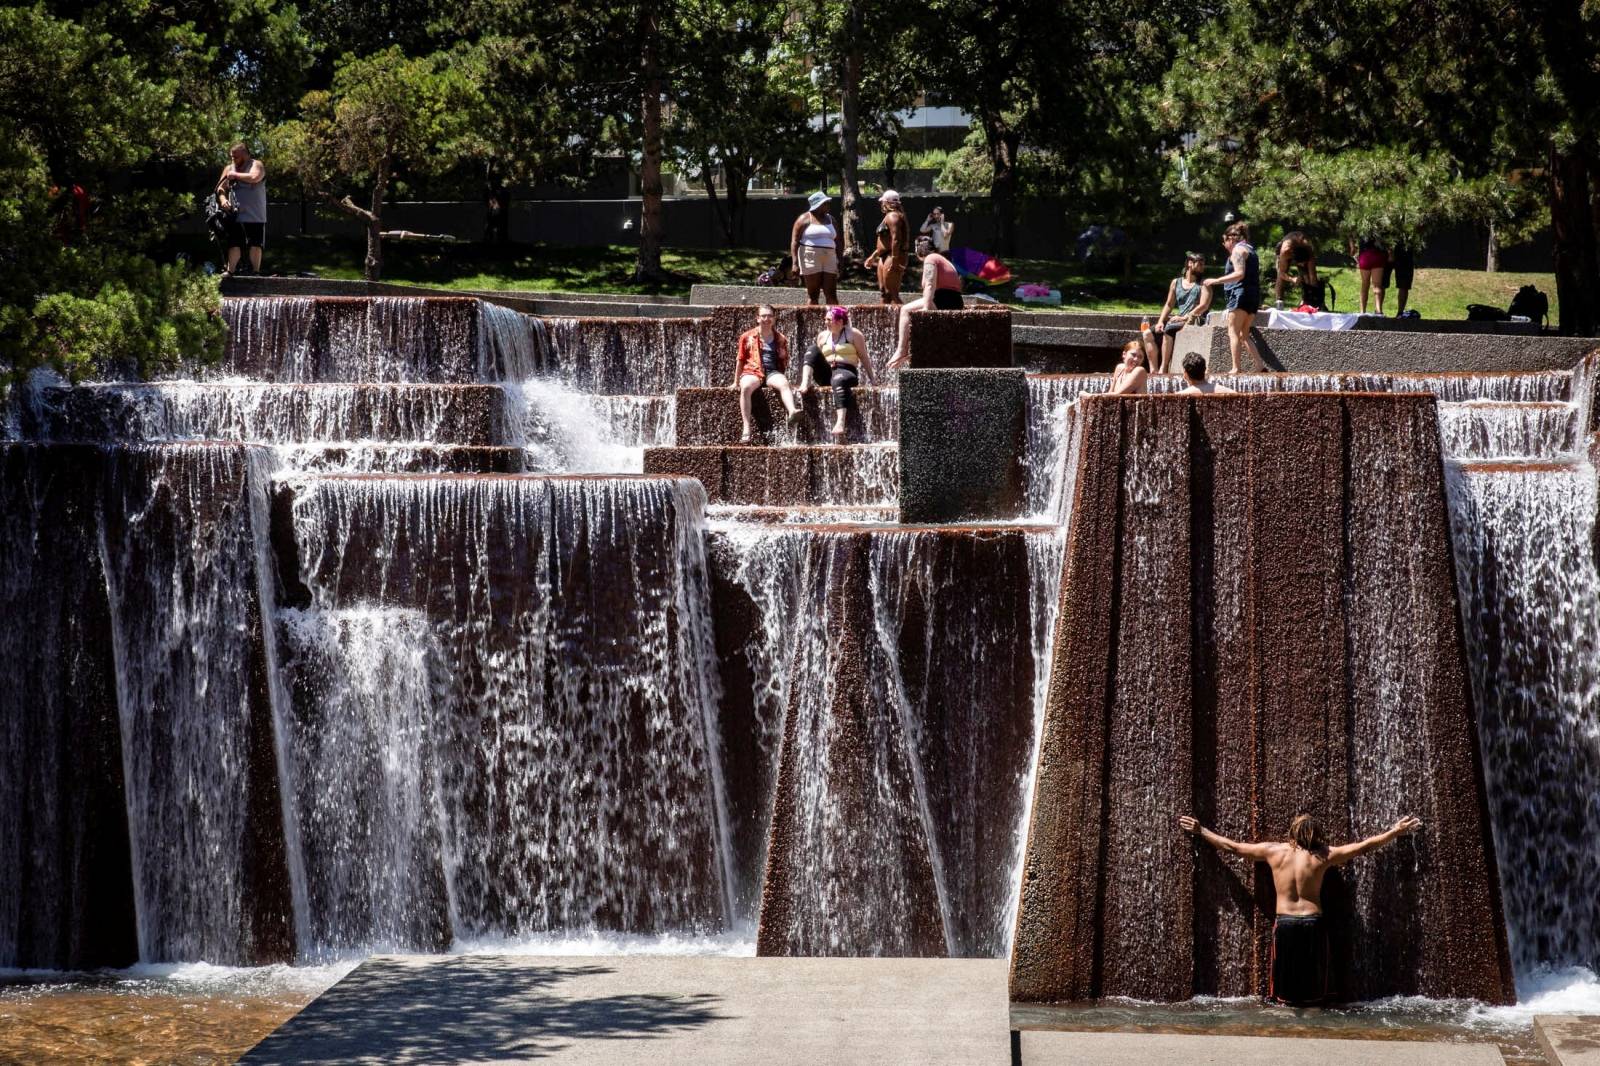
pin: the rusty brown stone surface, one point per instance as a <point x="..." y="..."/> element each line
<point x="633" y="356"/>
<point x="973" y="337"/>
<point x="711" y="417"/>
<point x="782" y="476"/>
<point x="1258" y="617"/>
<point x="356" y="339"/>
<point x="1066" y="358"/>
<point x="877" y="323"/>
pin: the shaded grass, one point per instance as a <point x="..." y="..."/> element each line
<point x="1438" y="293"/>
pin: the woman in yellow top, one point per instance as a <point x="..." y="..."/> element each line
<point x="838" y="356"/>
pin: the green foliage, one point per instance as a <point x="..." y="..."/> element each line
<point x="81" y="106"/>
<point x="968" y="170"/>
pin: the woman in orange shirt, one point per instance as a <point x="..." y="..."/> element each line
<point x="763" y="357"/>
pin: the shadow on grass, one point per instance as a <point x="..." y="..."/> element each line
<point x="476" y="1010"/>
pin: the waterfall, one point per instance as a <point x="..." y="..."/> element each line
<point x="565" y="431"/>
<point x="630" y="356"/>
<point x="559" y="639"/>
<point x="1525" y="543"/>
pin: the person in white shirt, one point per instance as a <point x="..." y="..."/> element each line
<point x="814" y="248"/>
<point x="939" y="230"/>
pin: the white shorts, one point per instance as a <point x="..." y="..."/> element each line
<point x="817" y="260"/>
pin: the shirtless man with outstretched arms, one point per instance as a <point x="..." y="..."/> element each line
<point x="1299" y="943"/>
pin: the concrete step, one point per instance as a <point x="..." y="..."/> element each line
<point x="711" y="417"/>
<point x="1569" y="1039"/>
<point x="1140" y="1049"/>
<point x="402" y="458"/>
<point x="865" y="474"/>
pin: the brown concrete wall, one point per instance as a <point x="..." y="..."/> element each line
<point x="1258" y="617"/>
<point x="344" y="338"/>
<point x="711" y="416"/>
<point x="974" y="337"/>
<point x="782" y="476"/>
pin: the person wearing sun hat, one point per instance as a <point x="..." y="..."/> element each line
<point x="814" y="247"/>
<point x="894" y="247"/>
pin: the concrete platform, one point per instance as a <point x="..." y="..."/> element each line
<point x="1569" y="1040"/>
<point x="714" y="1011"/>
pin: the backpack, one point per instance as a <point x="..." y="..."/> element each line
<point x="1531" y="304"/>
<point x="1320" y="295"/>
<point x="217" y="218"/>
<point x="1485" y="313"/>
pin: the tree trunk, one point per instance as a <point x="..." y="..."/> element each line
<point x="1577" y="258"/>
<point x="1003" y="144"/>
<point x="647" y="268"/>
<point x="738" y="195"/>
<point x="373" y="268"/>
<point x="1492" y="263"/>
<point x="849" y="130"/>
<point x="890" y="148"/>
<point x="723" y="221"/>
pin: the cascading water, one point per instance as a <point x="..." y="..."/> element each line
<point x="559" y="636"/>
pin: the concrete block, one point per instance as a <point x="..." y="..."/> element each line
<point x="1070" y="349"/>
<point x="962" y="438"/>
<point x="1315" y="669"/>
<point x="1398" y="350"/>
<point x="1568" y="1040"/>
<point x="970" y="337"/>
<point x="711" y="416"/>
<point x="352" y="339"/>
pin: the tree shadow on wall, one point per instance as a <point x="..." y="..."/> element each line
<point x="471" y="1010"/>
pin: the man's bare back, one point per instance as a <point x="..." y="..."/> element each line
<point x="1297" y="871"/>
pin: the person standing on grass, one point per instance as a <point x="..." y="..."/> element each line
<point x="763" y="357"/>
<point x="1300" y="968"/>
<point x="941" y="291"/>
<point x="1242" y="283"/>
<point x="1187" y="302"/>
<point x="1297" y="253"/>
<point x="893" y="248"/>
<point x="244" y="183"/>
<point x="1402" y="266"/>
<point x="814" y="249"/>
<point x="1372" y="260"/>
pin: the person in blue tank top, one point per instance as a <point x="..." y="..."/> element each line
<point x="1242" y="284"/>
<point x="1188" y="300"/>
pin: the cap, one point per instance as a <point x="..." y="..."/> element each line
<point x="816" y="200"/>
<point x="889" y="194"/>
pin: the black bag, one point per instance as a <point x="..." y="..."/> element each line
<point x="1485" y="313"/>
<point x="1531" y="304"/>
<point x="218" y="217"/>
<point x="1318" y="294"/>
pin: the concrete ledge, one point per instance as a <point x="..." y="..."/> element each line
<point x="1312" y="350"/>
<point x="969" y="337"/>
<point x="1142" y="1049"/>
<point x="784" y="476"/>
<point x="1568" y="1040"/>
<point x="1069" y="350"/>
<point x="962" y="438"/>
<point x="711" y="417"/>
<point x="406" y="458"/>
<point x="877" y="323"/>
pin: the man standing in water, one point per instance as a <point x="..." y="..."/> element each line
<point x="1299" y="941"/>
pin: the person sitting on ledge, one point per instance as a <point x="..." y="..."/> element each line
<point x="1299" y="941"/>
<point x="1194" y="372"/>
<point x="941" y="291"/>
<point x="1130" y="376"/>
<point x="838" y="356"/>
<point x="763" y="357"/>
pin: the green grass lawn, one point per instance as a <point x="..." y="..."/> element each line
<point x="1438" y="294"/>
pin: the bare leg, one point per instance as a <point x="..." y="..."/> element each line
<point x="1400" y="297"/>
<point x="1366" y="285"/>
<point x="785" y="393"/>
<point x="233" y="259"/>
<point x="748" y="384"/>
<point x="813" y="283"/>
<point x="1247" y="321"/>
<point x="1166" y="353"/>
<point x="1152" y="350"/>
<point x="830" y="287"/>
<point x="1381" y="291"/>
<point x="902" y="348"/>
<point x="1233" y="338"/>
<point x="1284" y="260"/>
<point x="255" y="259"/>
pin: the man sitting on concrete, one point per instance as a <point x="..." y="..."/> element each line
<point x="1194" y="372"/>
<point x="941" y="291"/>
<point x="1299" y="941"/>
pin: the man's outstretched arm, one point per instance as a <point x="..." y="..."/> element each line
<point x="1345" y="852"/>
<point x="1258" y="852"/>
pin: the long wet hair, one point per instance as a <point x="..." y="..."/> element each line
<point x="1306" y="833"/>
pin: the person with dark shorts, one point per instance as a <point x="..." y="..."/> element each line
<point x="244" y="184"/>
<point x="1402" y="268"/>
<point x="941" y="291"/>
<point x="839" y="357"/>
<point x="1187" y="302"/>
<point x="763" y="358"/>
<point x="1242" y="284"/>
<point x="1300" y="970"/>
<point x="1295" y="253"/>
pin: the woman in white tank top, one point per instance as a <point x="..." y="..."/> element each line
<point x="814" y="247"/>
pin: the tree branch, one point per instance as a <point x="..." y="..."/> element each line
<point x="349" y="206"/>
